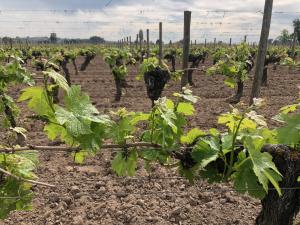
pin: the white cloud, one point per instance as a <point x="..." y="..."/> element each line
<point x="128" y="16"/>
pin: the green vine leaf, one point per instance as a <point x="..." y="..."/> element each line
<point x="167" y="113"/>
<point x="53" y="130"/>
<point x="75" y="124"/>
<point x="206" y="151"/>
<point x="186" y="109"/>
<point x="79" y="157"/>
<point x="125" y="166"/>
<point x="186" y="95"/>
<point x="230" y="82"/>
<point x="245" y="179"/>
<point x="191" y="136"/>
<point x="59" y="79"/>
<point x="289" y="108"/>
<point x="79" y="113"/>
<point x="231" y="120"/>
<point x="37" y="100"/>
<point x="289" y="133"/>
<point x="263" y="166"/>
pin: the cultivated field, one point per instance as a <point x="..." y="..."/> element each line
<point x="91" y="194"/>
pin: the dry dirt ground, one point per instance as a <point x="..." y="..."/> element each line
<point x="92" y="194"/>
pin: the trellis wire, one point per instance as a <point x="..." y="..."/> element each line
<point x="157" y="193"/>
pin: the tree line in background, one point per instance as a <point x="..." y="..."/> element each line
<point x="286" y="37"/>
<point x="53" y="39"/>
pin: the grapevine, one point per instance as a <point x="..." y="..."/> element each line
<point x="236" y="66"/>
<point x="118" y="61"/>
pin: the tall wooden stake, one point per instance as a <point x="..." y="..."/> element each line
<point x="186" y="47"/>
<point x="294" y="44"/>
<point x="160" y="55"/>
<point x="148" y="44"/>
<point x="141" y="37"/>
<point x="262" y="50"/>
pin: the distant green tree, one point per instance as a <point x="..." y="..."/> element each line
<point x="96" y="40"/>
<point x="6" y="40"/>
<point x="284" y="37"/>
<point x="296" y="24"/>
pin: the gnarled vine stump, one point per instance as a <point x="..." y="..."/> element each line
<point x="278" y="210"/>
<point x="66" y="71"/>
<point x="86" y="62"/>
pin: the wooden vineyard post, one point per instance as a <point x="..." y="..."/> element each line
<point x="130" y="42"/>
<point x="148" y="44"/>
<point x="205" y="43"/>
<point x="262" y="50"/>
<point x="230" y="42"/>
<point x="215" y="42"/>
<point x="20" y="44"/>
<point x="141" y="38"/>
<point x="160" y="54"/>
<point x="245" y="38"/>
<point x="11" y="43"/>
<point x="294" y="44"/>
<point x="186" y="47"/>
<point x="137" y="41"/>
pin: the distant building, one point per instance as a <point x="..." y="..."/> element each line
<point x="53" y="38"/>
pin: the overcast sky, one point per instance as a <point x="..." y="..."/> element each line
<point x="114" y="19"/>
